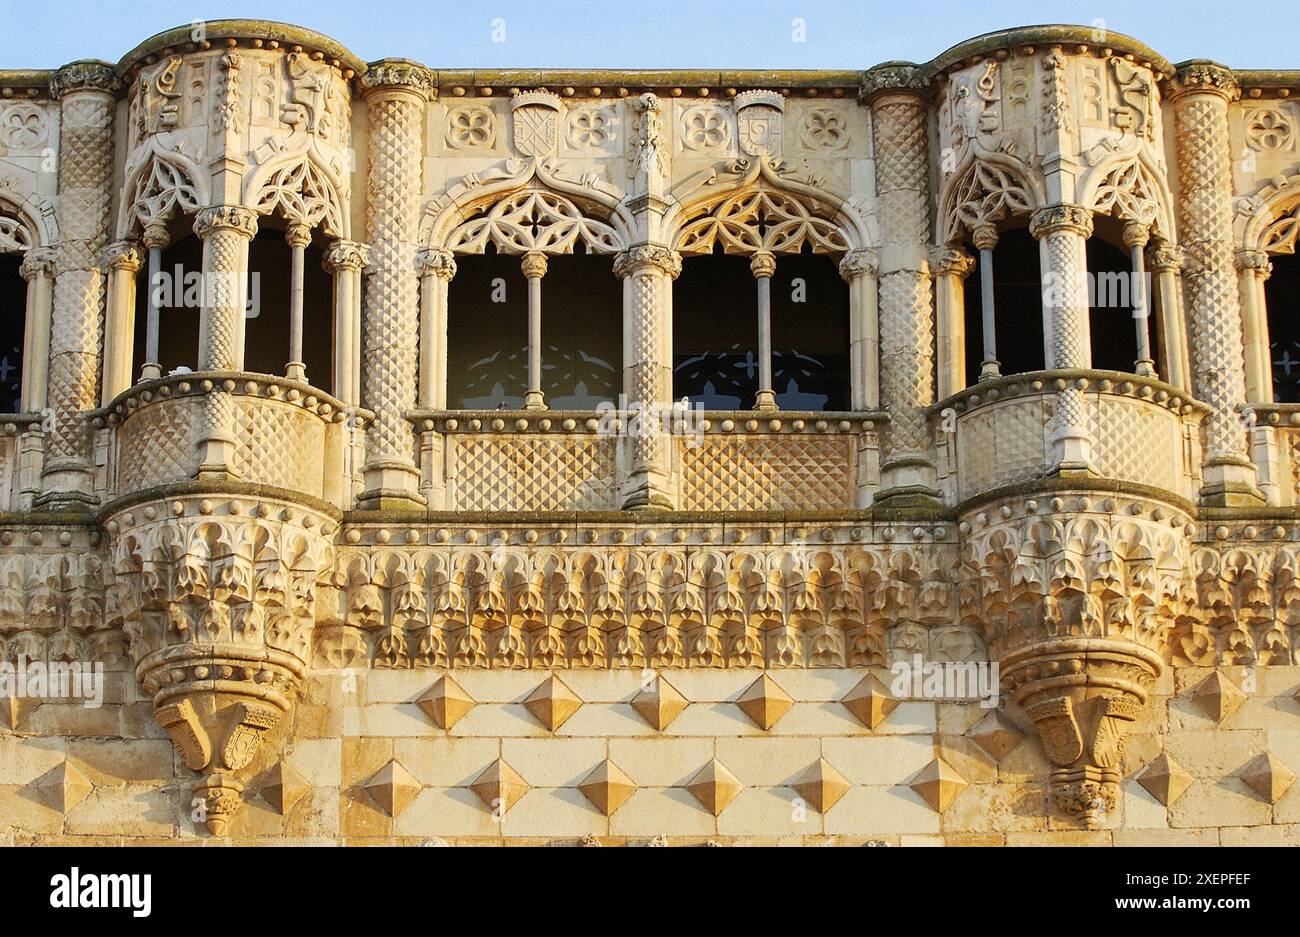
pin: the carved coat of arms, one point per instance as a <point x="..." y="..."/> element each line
<point x="758" y="122"/>
<point x="535" y="117"/>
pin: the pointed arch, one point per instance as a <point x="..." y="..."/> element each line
<point x="1269" y="220"/>
<point x="304" y="190"/>
<point x="527" y="205"/>
<point x="162" y="183"/>
<point x="1130" y="188"/>
<point x="987" y="187"/>
<point x="749" y="206"/>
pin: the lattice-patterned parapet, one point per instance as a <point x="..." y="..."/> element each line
<point x="1000" y="432"/>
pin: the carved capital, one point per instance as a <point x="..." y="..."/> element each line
<point x="86" y="75"/>
<point x="346" y="255"/>
<point x="894" y="77"/>
<point x="155" y="235"/>
<point x="123" y="255"/>
<point x="533" y="264"/>
<point x="297" y="235"/>
<point x="1164" y="257"/>
<point x="37" y="262"/>
<point x="1205" y="78"/>
<point x="635" y="259"/>
<point x="984" y="236"/>
<point x="432" y="262"/>
<point x="1136" y="234"/>
<point x="859" y="263"/>
<point x="1074" y="219"/>
<point x="1257" y="262"/>
<point x="951" y="261"/>
<point x="762" y="264"/>
<point x="397" y="75"/>
<point x="232" y="217"/>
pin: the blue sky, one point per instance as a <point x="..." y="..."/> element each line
<point x="656" y="33"/>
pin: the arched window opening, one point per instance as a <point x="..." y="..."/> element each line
<point x="1282" y="301"/>
<point x="267" y="333"/>
<point x="178" y="289"/>
<point x="581" y="332"/>
<point x="13" y="322"/>
<point x="715" y="332"/>
<point x="1018" y="301"/>
<point x="810" y="333"/>
<point x="1114" y="290"/>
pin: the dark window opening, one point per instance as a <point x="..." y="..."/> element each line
<point x="1282" y="298"/>
<point x="487" y="332"/>
<point x="810" y="333"/>
<point x="180" y="295"/>
<point x="715" y="332"/>
<point x="1017" y="307"/>
<point x="13" y="321"/>
<point x="266" y="327"/>
<point x="1111" y="327"/>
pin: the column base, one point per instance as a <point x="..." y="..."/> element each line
<point x="990" y="370"/>
<point x="296" y="371"/>
<point x="150" y="371"/>
<point x="765" y="401"/>
<point x="217" y="459"/>
<point x="1072" y="457"/>
<point x="907" y="481"/>
<point x="534" y="400"/>
<point x="1230" y="483"/>
<point x="391" y="486"/>
<point x="646" y="491"/>
<point x="67" y="486"/>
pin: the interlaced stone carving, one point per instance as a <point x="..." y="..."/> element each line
<point x="760" y="220"/>
<point x="534" y="220"/>
<point x="302" y="193"/>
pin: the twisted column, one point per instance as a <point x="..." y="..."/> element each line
<point x="647" y="272"/>
<point x="1201" y="92"/>
<point x="396" y="94"/>
<point x="85" y="91"/>
<point x="897" y="96"/>
<point x="1062" y="232"/>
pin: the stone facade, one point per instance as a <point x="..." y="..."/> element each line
<point x="361" y="616"/>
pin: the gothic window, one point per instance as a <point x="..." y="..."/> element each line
<point x="1017" y="297"/>
<point x="177" y="287"/>
<point x="13" y="318"/>
<point x="1112" y="293"/>
<point x="267" y="332"/>
<point x="1282" y="300"/>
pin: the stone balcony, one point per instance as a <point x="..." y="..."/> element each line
<point x="997" y="434"/>
<point x="288" y="435"/>
<point x="529" y="460"/>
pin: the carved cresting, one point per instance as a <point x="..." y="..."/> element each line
<point x="1078" y="595"/>
<point x="218" y="602"/>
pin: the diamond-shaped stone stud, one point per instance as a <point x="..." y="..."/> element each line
<point x="499" y="787"/>
<point x="996" y="734"/>
<point x="821" y="785"/>
<point x="1268" y="777"/>
<point x="764" y="702"/>
<point x="284" y="787"/>
<point x="607" y="787"/>
<point x="552" y="703"/>
<point x="64" y="787"/>
<point x="870" y="701"/>
<point x="1165" y="779"/>
<point x="1218" y="697"/>
<point x="392" y="787"/>
<point x="714" y="787"/>
<point x="446" y="703"/>
<point x="938" y="783"/>
<point x="659" y="704"/>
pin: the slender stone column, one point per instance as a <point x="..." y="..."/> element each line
<point x="38" y="270"/>
<point x="1201" y="92"/>
<point x="763" y="266"/>
<point x="985" y="239"/>
<point x="298" y="236"/>
<point x="155" y="238"/>
<point x="225" y="231"/>
<point x="951" y="266"/>
<point x="396" y="93"/>
<point x="85" y="91"/>
<point x="647" y="272"/>
<point x="897" y="95"/>
<point x="534" y="267"/>
<point x="1136" y="236"/>
<point x="1062" y="232"/>
<point x="437" y="268"/>
<point x="1165" y="260"/>
<point x="123" y="260"/>
<point x="344" y="261"/>
<point x="858" y="268"/>
<point x="1254" y="269"/>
